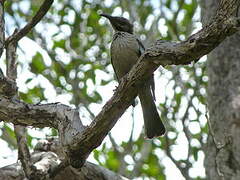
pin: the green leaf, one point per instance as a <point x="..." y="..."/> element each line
<point x="37" y="65"/>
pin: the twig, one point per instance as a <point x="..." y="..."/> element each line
<point x="114" y="144"/>
<point x="6" y="136"/>
<point x="183" y="170"/>
<point x="132" y="128"/>
<point x="174" y="24"/>
<point x="35" y="20"/>
<point x="146" y="149"/>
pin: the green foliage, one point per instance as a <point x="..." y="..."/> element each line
<point x="37" y="65"/>
<point x="76" y="42"/>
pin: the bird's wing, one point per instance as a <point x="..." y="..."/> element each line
<point x="116" y="34"/>
<point x="141" y="47"/>
<point x="141" y="51"/>
<point x="114" y="71"/>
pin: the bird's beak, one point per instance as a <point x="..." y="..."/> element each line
<point x="106" y="16"/>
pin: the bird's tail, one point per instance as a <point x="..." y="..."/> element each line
<point x="152" y="121"/>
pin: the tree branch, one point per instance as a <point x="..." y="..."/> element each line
<point x="2" y="27"/>
<point x="11" y="59"/>
<point x="23" y="151"/>
<point x="8" y="87"/>
<point x="46" y="115"/>
<point x="35" y="20"/>
<point x="20" y="131"/>
<point x="46" y="162"/>
<point x="146" y="149"/>
<point x="6" y="136"/>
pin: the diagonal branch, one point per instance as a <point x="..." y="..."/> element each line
<point x="35" y="20"/>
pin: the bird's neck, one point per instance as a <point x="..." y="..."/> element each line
<point x="123" y="31"/>
<point x="120" y="34"/>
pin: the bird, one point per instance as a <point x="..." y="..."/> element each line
<point x="126" y="48"/>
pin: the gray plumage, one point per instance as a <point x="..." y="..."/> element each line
<point x="126" y="48"/>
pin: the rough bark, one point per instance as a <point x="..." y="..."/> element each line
<point x="47" y="157"/>
<point x="88" y="171"/>
<point x="223" y="147"/>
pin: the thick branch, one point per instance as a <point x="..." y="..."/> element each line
<point x="48" y="161"/>
<point x="35" y="20"/>
<point x="46" y="115"/>
<point x="45" y="162"/>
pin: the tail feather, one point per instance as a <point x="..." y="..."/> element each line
<point x="152" y="121"/>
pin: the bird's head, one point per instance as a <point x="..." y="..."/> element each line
<point x="119" y="23"/>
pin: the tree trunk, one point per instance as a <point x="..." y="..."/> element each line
<point x="223" y="146"/>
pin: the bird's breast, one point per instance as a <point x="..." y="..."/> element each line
<point x="124" y="53"/>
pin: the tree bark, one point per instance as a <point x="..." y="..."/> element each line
<point x="223" y="146"/>
<point x="46" y="158"/>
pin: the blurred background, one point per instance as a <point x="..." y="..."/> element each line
<point x="66" y="59"/>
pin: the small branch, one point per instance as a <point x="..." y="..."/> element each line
<point x="174" y="24"/>
<point x="20" y="131"/>
<point x="11" y="60"/>
<point x="35" y="20"/>
<point x="184" y="171"/>
<point x="146" y="149"/>
<point x="6" y="136"/>
<point x="8" y="87"/>
<point x="2" y="27"/>
<point x="23" y="151"/>
<point x="130" y="141"/>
